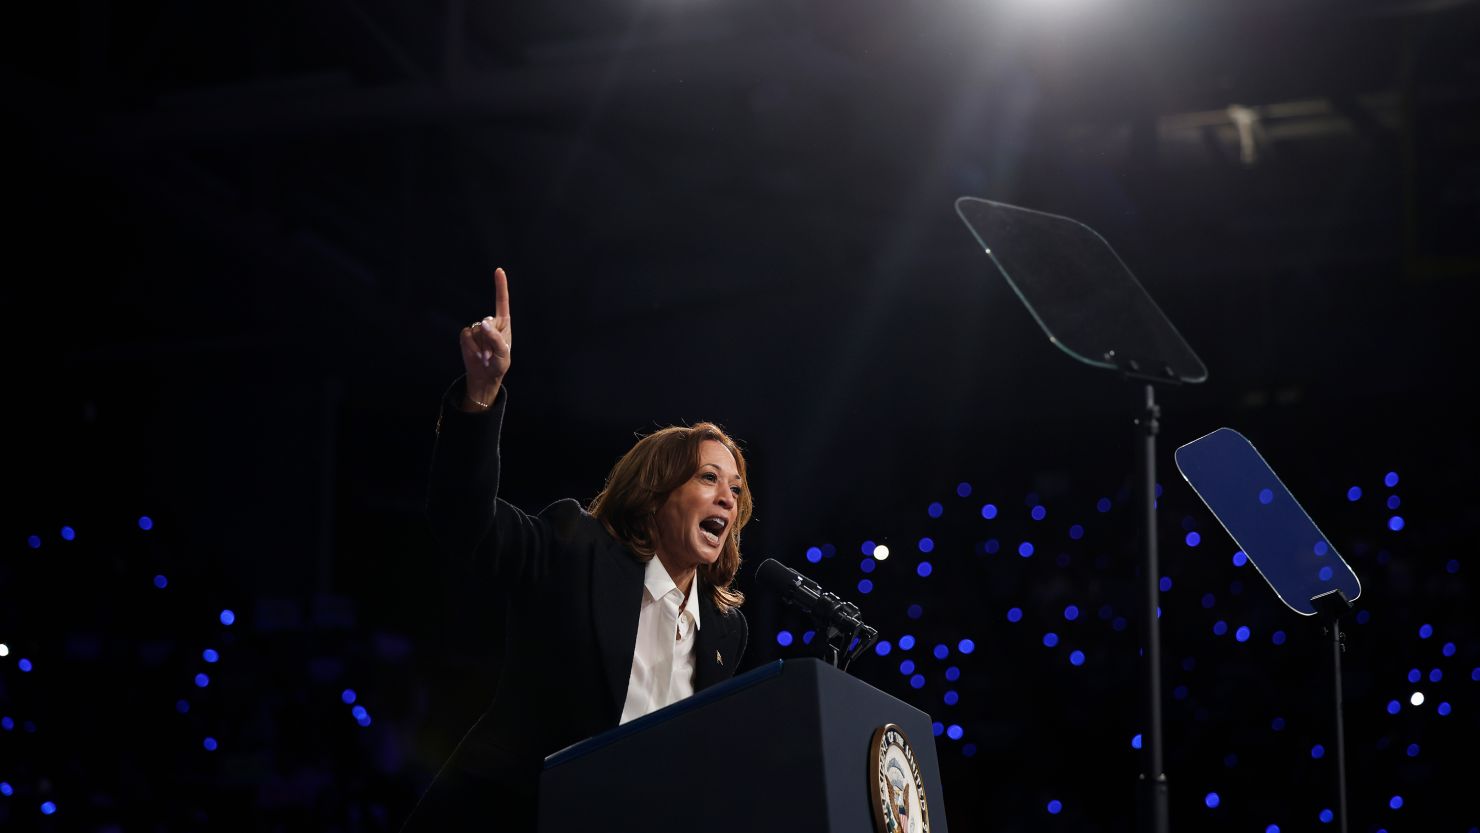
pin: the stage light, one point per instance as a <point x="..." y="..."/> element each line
<point x="989" y="511"/>
<point x="935" y="510"/>
<point x="969" y="750"/>
<point x="1393" y="706"/>
<point x="953" y="673"/>
<point x="1136" y="742"/>
<point x="1278" y="724"/>
<point x="1320" y="549"/>
<point x="881" y="552"/>
<point x="1413" y="750"/>
<point x="925" y="545"/>
<point x="963" y="490"/>
<point x="1318" y="752"/>
<point x="951" y="697"/>
<point x="954" y="732"/>
<point x="68" y="533"/>
<point x="783" y="638"/>
<point x="914" y="611"/>
<point x="363" y="720"/>
<point x="227" y="617"/>
<point x="991" y="546"/>
<point x="146" y="523"/>
<point x="941" y="652"/>
<point x="1436" y="675"/>
<point x="923" y="569"/>
<point x="814" y="555"/>
<point x="1038" y="513"/>
<point x="24" y="665"/>
<point x="1015" y="614"/>
<point x="1220" y="627"/>
<point x="182" y="706"/>
<point x="1071" y="613"/>
<point x="907" y="667"/>
<point x="161" y="582"/>
<point x="1396" y="802"/>
<point x="906" y="642"/>
<point x="1354" y="494"/>
<point x="1076" y="658"/>
<point x="1393" y="502"/>
<point x="7" y="723"/>
<point x="1273" y="828"/>
<point x="1165" y="584"/>
<point x="1417" y="698"/>
<point x="865" y="586"/>
<point x="202" y="680"/>
<point x="1325" y="574"/>
<point x="1266" y="496"/>
<point x="1192" y="539"/>
<point x="1239" y="558"/>
<point x="1278" y="637"/>
<point x="828" y="550"/>
<point x="48" y="808"/>
<point x="807" y="637"/>
<point x="917" y="681"/>
<point x="867" y="547"/>
<point x="1242" y="634"/>
<point x="348" y="695"/>
<point x="1326" y="816"/>
<point x="4" y="650"/>
<point x="1076" y="532"/>
<point x="1208" y="600"/>
<point x="1395" y="523"/>
<point x="966" y="646"/>
<point x="6" y="789"/>
<point x="938" y="729"/>
<point x="1444" y="709"/>
<point x="358" y="712"/>
<point x="1425" y="631"/>
<point x="1103" y="505"/>
<point x="209" y="655"/>
<point x="1054" y="807"/>
<point x="1211" y="799"/>
<point x="34" y="541"/>
<point x="1452" y="566"/>
<point x="209" y="744"/>
<point x="1391" y="480"/>
<point x="1025" y="549"/>
<point x="1448" y="649"/>
<point x="1050" y="639"/>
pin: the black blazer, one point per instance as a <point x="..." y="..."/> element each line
<point x="574" y="595"/>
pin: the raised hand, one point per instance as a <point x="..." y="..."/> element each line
<point x="486" y="347"/>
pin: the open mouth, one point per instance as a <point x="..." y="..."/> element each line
<point x="713" y="530"/>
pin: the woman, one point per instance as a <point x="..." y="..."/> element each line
<point x="614" y="611"/>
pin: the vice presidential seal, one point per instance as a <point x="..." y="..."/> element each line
<point x="895" y="785"/>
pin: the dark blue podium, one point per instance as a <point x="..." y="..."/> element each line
<point x="783" y="747"/>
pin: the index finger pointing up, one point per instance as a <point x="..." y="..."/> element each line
<point x="500" y="293"/>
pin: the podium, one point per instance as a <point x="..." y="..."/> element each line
<point x="788" y="746"/>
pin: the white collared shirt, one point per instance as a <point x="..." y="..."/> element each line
<point x="663" y="659"/>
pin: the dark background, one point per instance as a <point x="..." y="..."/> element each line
<point x="242" y="238"/>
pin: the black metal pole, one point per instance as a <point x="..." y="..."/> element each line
<point x="1154" y="794"/>
<point x="1332" y="605"/>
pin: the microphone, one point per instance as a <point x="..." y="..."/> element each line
<point x="839" y="618"/>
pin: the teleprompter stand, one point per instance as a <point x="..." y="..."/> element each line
<point x="1092" y="307"/>
<point x="1283" y="544"/>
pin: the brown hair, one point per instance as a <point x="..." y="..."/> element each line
<point x="639" y="483"/>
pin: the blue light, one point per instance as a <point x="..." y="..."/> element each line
<point x="907" y="667"/>
<point x="1119" y="623"/>
<point x="1278" y="638"/>
<point x="1076" y="532"/>
<point x="1038" y="513"/>
<point x="146" y="523"/>
<point x="954" y="732"/>
<point x="202" y="680"/>
<point x="814" y="555"/>
<point x="917" y="681"/>
<point x="363" y="720"/>
<point x="989" y="510"/>
<point x="1413" y="750"/>
<point x="182" y="706"/>
<point x="1102" y="505"/>
<point x="1211" y="799"/>
<point x="1208" y="600"/>
<point x="1444" y="709"/>
<point x="963" y="490"/>
<point x="1451" y="566"/>
<point x="1239" y="558"/>
<point x="358" y="712"/>
<point x="1318" y="751"/>
<point x="1165" y="584"/>
<point x="1393" y="502"/>
<point x="1436" y="675"/>
<point x="209" y="655"/>
<point x="882" y="648"/>
<point x="7" y="723"/>
<point x="1273" y="828"/>
<point x="1354" y="494"/>
<point x="969" y="750"/>
<point x="1076" y="658"/>
<point x="868" y="565"/>
<point x="68" y="533"/>
<point x="1054" y="807"/>
<point x="783" y="638"/>
<point x="1025" y="549"/>
<point x="941" y="652"/>
<point x="227" y="617"/>
<point x="161" y="582"/>
<point x="1393" y="706"/>
<point x="1395" y="523"/>
<point x="209" y="744"/>
<point x="1266" y="497"/>
<point x="47" y="808"/>
<point x="953" y="673"/>
<point x="1050" y="639"/>
<point x="1425" y="631"/>
<point x="938" y="729"/>
<point x="934" y="510"/>
<point x="6" y="789"/>
<point x="1136" y="742"/>
<point x="923" y="569"/>
<point x="1325" y="574"/>
<point x="1321" y="548"/>
<point x="1015" y="614"/>
<point x="914" y="611"/>
<point x="1242" y="634"/>
<point x="24" y="665"/>
<point x="925" y="545"/>
<point x="1448" y="649"/>
<point x="1326" y="816"/>
<point x="966" y="646"/>
<point x="991" y="546"/>
<point x="1220" y="627"/>
<point x="951" y="697"/>
<point x="1193" y="539"/>
<point x="1391" y="480"/>
<point x="34" y="542"/>
<point x="1071" y="613"/>
<point x="906" y="642"/>
<point x="1277" y="725"/>
<point x="1396" y="802"/>
<point x="865" y="586"/>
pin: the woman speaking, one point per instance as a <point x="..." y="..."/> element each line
<point x="614" y="610"/>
